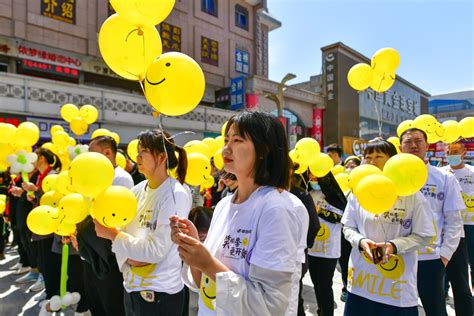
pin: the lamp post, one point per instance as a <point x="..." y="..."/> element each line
<point x="278" y="98"/>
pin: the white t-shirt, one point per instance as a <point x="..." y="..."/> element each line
<point x="148" y="239"/>
<point x="465" y="177"/>
<point x="259" y="231"/>
<point x="443" y="193"/>
<point x="327" y="243"/>
<point x="393" y="283"/>
<point x="122" y="178"/>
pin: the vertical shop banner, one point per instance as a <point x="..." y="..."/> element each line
<point x="251" y="101"/>
<point x="170" y="37"/>
<point x="61" y="10"/>
<point x="241" y="61"/>
<point x="209" y="51"/>
<point x="237" y="93"/>
<point x="317" y="130"/>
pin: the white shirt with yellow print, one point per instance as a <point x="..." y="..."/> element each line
<point x="465" y="177"/>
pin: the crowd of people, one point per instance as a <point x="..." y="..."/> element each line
<point x="246" y="243"/>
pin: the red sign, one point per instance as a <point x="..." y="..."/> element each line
<point x="33" y="53"/>
<point x="317" y="131"/>
<point x="251" y="101"/>
<point x="30" y="65"/>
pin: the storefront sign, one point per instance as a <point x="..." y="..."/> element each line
<point x="170" y="37"/>
<point x="38" y="54"/>
<point x="237" y="93"/>
<point x="27" y="66"/>
<point x="61" y="10"/>
<point x="209" y="51"/>
<point x="241" y="61"/>
<point x="317" y="130"/>
<point x="11" y="119"/>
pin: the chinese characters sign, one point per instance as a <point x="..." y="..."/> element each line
<point x="209" y="51"/>
<point x="237" y="93"/>
<point x="48" y="68"/>
<point x="317" y="130"/>
<point x="62" y="10"/>
<point x="329" y="71"/>
<point x="47" y="56"/>
<point x="241" y="61"/>
<point x="171" y="37"/>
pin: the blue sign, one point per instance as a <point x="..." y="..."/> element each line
<point x="241" y="61"/>
<point x="237" y="93"/>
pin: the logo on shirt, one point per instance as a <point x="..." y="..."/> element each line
<point x="145" y="220"/>
<point x="440" y="196"/>
<point x="236" y="246"/>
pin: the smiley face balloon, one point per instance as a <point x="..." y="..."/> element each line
<point x="207" y="291"/>
<point x="43" y="220"/>
<point x="115" y="207"/>
<point x="174" y="84"/>
<point x="199" y="169"/>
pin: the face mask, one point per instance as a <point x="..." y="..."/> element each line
<point x="315" y="186"/>
<point x="454" y="160"/>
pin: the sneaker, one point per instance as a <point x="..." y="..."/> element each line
<point x="22" y="270"/>
<point x="38" y="285"/>
<point x="17" y="266"/>
<point x="28" y="278"/>
<point x="344" y="296"/>
<point x="41" y="297"/>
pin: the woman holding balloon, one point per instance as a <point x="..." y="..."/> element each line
<point x="145" y="253"/>
<point x="383" y="262"/>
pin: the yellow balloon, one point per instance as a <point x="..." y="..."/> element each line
<point x="223" y="128"/>
<point x="407" y="172"/>
<point x="452" y="131"/>
<point x="43" y="220"/>
<point x="89" y="113"/>
<point x="360" y="172"/>
<point x="78" y="126"/>
<point x="115" y="207"/>
<point x="60" y="139"/>
<point x="116" y="137"/>
<point x="322" y="166"/>
<point x="212" y="144"/>
<point x="72" y="142"/>
<point x="220" y="140"/>
<point x="55" y="128"/>
<point x="51" y="198"/>
<point x="337" y="170"/>
<point x="69" y="112"/>
<point x="3" y="203"/>
<point x="197" y="146"/>
<point x="218" y="159"/>
<point x="90" y="173"/>
<point x="174" y="84"/>
<point x="101" y="132"/>
<point x="121" y="160"/>
<point x="301" y="169"/>
<point x="143" y="12"/>
<point x="292" y="155"/>
<point x="385" y="60"/>
<point x="395" y="141"/>
<point x="51" y="147"/>
<point x="381" y="82"/>
<point x="132" y="150"/>
<point x="73" y="208"/>
<point x="199" y="168"/>
<point x="27" y="134"/>
<point x="65" y="229"/>
<point x="128" y="50"/>
<point x="307" y="150"/>
<point x="8" y="132"/>
<point x="403" y="126"/>
<point x="437" y="135"/>
<point x="467" y="127"/>
<point x="5" y="150"/>
<point x="425" y="122"/>
<point x="376" y="193"/>
<point x="62" y="183"/>
<point x="49" y="183"/>
<point x="360" y="76"/>
<point x="208" y="183"/>
<point x="342" y="180"/>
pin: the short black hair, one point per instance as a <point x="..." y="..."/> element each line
<point x="414" y="129"/>
<point x="335" y="148"/>
<point x="272" y="164"/>
<point x="105" y="141"/>
<point x="380" y="146"/>
<point x="201" y="217"/>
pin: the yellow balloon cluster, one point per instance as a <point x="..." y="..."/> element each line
<point x="199" y="169"/>
<point x="143" y="12"/>
<point x="307" y="151"/>
<point x="379" y="75"/>
<point x="115" y="206"/>
<point x="14" y="139"/>
<point x="105" y="132"/>
<point x="78" y="119"/>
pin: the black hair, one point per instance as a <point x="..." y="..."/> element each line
<point x="272" y="164"/>
<point x="154" y="139"/>
<point x="201" y="217"/>
<point x="105" y="141"/>
<point x="380" y="146"/>
<point x="51" y="158"/>
<point x="334" y="148"/>
<point x="414" y="129"/>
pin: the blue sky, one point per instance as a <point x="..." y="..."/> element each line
<point x="435" y="38"/>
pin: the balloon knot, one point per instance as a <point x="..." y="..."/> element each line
<point x="155" y="114"/>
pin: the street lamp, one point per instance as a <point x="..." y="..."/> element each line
<point x="278" y="98"/>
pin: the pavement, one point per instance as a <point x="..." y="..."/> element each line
<point x="16" y="300"/>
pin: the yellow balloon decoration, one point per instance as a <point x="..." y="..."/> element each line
<point x="8" y="132"/>
<point x="467" y="127"/>
<point x="385" y="60"/>
<point x="116" y="137"/>
<point x="301" y="169"/>
<point x="342" y="180"/>
<point x="452" y="131"/>
<point x="3" y="203"/>
<point x="78" y="126"/>
<point x="407" y="172"/>
<point x="337" y="170"/>
<point x="197" y="146"/>
<point x="322" y="166"/>
<point x="212" y="144"/>
<point x="360" y="172"/>
<point x="89" y="113"/>
<point x="174" y="84"/>
<point x="376" y="193"/>
<point x="425" y="122"/>
<point x="73" y="208"/>
<point x="121" y="160"/>
<point x="360" y="76"/>
<point x="132" y="150"/>
<point x="199" y="168"/>
<point x="60" y="139"/>
<point x="65" y="229"/>
<point x="127" y="49"/>
<point x="51" y="198"/>
<point x="143" y="12"/>
<point x="55" y="128"/>
<point x="49" y="183"/>
<point x="51" y="147"/>
<point x="72" y="142"/>
<point x="381" y="82"/>
<point x="403" y="126"/>
<point x="27" y="134"/>
<point x="218" y="159"/>
<point x="208" y="183"/>
<point x="223" y="128"/>
<point x="220" y="140"/>
<point x="307" y="150"/>
<point x="43" y="220"/>
<point x="62" y="183"/>
<point x="100" y="132"/>
<point x="115" y="207"/>
<point x="292" y="155"/>
<point x="69" y="112"/>
<point x="90" y="173"/>
<point x="395" y="142"/>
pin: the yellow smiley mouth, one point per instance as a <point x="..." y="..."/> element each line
<point x="155" y="83"/>
<point x="105" y="223"/>
<point x="209" y="297"/>
<point x="390" y="269"/>
<point x="323" y="231"/>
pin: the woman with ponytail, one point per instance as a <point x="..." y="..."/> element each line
<point x="145" y="253"/>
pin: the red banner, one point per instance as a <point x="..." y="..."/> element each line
<point x="317" y="131"/>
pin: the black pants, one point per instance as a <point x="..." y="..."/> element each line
<point x="2" y="234"/>
<point x="458" y="275"/>
<point x="164" y="304"/>
<point x="30" y="248"/>
<point x="430" y="281"/>
<point x="49" y="264"/>
<point x="358" y="305"/>
<point x="346" y="249"/>
<point x="321" y="271"/>
<point x="104" y="296"/>
<point x="469" y="230"/>
<point x="304" y="269"/>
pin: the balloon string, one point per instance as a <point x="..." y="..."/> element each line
<point x="379" y="118"/>
<point x="167" y="160"/>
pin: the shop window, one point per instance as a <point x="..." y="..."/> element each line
<point x="209" y="6"/>
<point x="241" y="17"/>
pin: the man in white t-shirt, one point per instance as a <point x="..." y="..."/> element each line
<point x="444" y="197"/>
